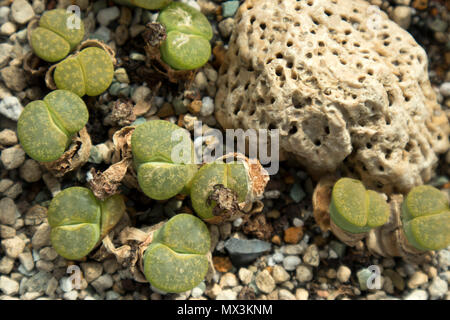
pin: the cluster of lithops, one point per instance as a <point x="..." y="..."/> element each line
<point x="46" y="127"/>
<point x="79" y="221"/>
<point x="426" y="218"/>
<point x="54" y="38"/>
<point x="422" y="224"/>
<point x="146" y="4"/>
<point x="176" y="259"/>
<point x="355" y="209"/>
<point x="188" y="31"/>
<point x="164" y="159"/>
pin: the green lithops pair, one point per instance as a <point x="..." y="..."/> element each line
<point x="188" y="31"/>
<point x="426" y="218"/>
<point x="79" y="221"/>
<point x="176" y="259"/>
<point x="46" y="127"/>
<point x="233" y="176"/>
<point x="90" y="72"/>
<point x="146" y="4"/>
<point x="164" y="158"/>
<point x="56" y="37"/>
<point x="355" y="209"/>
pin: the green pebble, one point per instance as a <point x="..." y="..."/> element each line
<point x="229" y="8"/>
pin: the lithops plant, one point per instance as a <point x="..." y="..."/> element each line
<point x="221" y="190"/>
<point x="164" y="158"/>
<point x="188" y="31"/>
<point x="53" y="39"/>
<point x="176" y="259"/>
<point x="230" y="179"/>
<point x="355" y="209"/>
<point x="46" y="127"/>
<point x="146" y="4"/>
<point x="89" y="71"/>
<point x="426" y="218"/>
<point x="79" y="221"/>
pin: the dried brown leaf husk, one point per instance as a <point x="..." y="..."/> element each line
<point x="75" y="157"/>
<point x="321" y="202"/>
<point x="227" y="207"/>
<point x="34" y="65"/>
<point x="105" y="184"/>
<point x="122" y="150"/>
<point x="153" y="35"/>
<point x="50" y="82"/>
<point x="131" y="245"/>
<point x="255" y="222"/>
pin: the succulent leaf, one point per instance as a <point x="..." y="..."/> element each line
<point x="176" y="260"/>
<point x="53" y="39"/>
<point x="164" y="158"/>
<point x="355" y="209"/>
<point x="79" y="220"/>
<point x="231" y="175"/>
<point x="426" y="218"/>
<point x="45" y="127"/>
<point x="187" y="44"/>
<point x="89" y="72"/>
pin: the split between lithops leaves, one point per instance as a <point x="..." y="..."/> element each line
<point x="355" y="209"/>
<point x="90" y="72"/>
<point x="79" y="221"/>
<point x="54" y="39"/>
<point x="46" y="127"/>
<point x="426" y="218"/>
<point x="164" y="158"/>
<point x="176" y="259"/>
<point x="188" y="31"/>
<point x="146" y="4"/>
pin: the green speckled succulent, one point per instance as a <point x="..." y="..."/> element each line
<point x="53" y="39"/>
<point x="232" y="176"/>
<point x="88" y="72"/>
<point x="164" y="158"/>
<point x="188" y="31"/>
<point x="79" y="221"/>
<point x="146" y="4"/>
<point x="355" y="209"/>
<point x="426" y="218"/>
<point x="176" y="259"/>
<point x="45" y="127"/>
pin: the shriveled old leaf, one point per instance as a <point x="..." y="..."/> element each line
<point x="75" y="157"/>
<point x="105" y="184"/>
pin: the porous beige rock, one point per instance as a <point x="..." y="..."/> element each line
<point x="346" y="87"/>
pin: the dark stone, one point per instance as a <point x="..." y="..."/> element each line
<point x="244" y="252"/>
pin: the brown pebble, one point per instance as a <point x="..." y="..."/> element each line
<point x="293" y="235"/>
<point x="276" y="240"/>
<point x="195" y="106"/>
<point x="165" y="111"/>
<point x="420" y="4"/>
<point x="222" y="264"/>
<point x="219" y="53"/>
